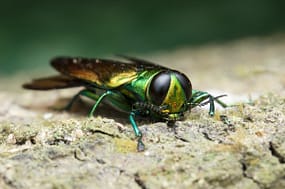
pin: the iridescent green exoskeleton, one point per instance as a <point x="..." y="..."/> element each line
<point x="138" y="87"/>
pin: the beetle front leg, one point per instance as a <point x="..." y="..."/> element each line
<point x="198" y="99"/>
<point x="140" y="144"/>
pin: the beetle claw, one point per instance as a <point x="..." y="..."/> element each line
<point x="140" y="146"/>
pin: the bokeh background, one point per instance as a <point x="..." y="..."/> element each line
<point x="32" y="32"/>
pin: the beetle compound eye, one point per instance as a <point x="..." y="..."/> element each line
<point x="159" y="87"/>
<point x="185" y="83"/>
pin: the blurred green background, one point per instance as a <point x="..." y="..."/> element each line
<point x="32" y="32"/>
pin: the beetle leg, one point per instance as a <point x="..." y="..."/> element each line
<point x="140" y="145"/>
<point x="212" y="105"/>
<point x="98" y="100"/>
<point x="220" y="102"/>
<point x="71" y="102"/>
<point x="199" y="96"/>
<point x="92" y="95"/>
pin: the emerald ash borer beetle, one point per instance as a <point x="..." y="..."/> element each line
<point x="136" y="86"/>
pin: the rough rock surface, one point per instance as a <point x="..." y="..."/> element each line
<point x="240" y="147"/>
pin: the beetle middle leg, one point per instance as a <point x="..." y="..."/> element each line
<point x="90" y="94"/>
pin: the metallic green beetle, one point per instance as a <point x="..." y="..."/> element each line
<point x="138" y="87"/>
